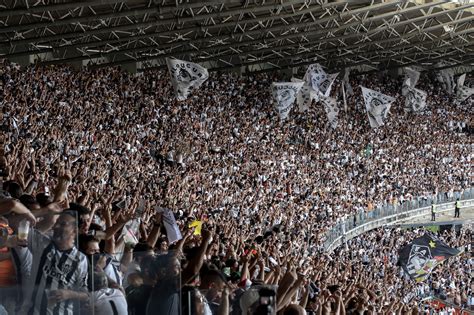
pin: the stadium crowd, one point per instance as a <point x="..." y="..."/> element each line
<point x="99" y="149"/>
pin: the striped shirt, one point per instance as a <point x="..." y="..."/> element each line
<point x="109" y="302"/>
<point x="112" y="270"/>
<point x="53" y="269"/>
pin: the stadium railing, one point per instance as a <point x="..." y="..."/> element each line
<point x="388" y="213"/>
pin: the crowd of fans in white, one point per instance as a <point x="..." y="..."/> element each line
<point x="267" y="190"/>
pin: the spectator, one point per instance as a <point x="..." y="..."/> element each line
<point x="106" y="300"/>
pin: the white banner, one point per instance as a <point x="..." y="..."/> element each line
<point x="330" y="106"/>
<point x="285" y="95"/>
<point x="413" y="76"/>
<point x="463" y="93"/>
<point x="319" y="80"/>
<point x="185" y="76"/>
<point x="415" y="100"/>
<point x="446" y="78"/>
<point x="172" y="229"/>
<point x="347" y="83"/>
<point x="305" y="96"/>
<point x="461" y="80"/>
<point x="406" y="86"/>
<point x="377" y="106"/>
<point x="314" y="76"/>
<point x="326" y="85"/>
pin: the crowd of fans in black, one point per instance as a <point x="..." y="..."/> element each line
<point x="87" y="155"/>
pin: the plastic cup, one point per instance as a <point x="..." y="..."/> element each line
<point x="51" y="301"/>
<point x="23" y="230"/>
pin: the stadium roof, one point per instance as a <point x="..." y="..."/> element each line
<point x="256" y="35"/>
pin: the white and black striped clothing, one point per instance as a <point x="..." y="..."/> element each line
<point x="109" y="302"/>
<point x="112" y="270"/>
<point x="53" y="269"/>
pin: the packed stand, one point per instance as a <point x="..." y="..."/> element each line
<point x="93" y="151"/>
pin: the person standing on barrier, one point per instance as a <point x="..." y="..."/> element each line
<point x="457" y="208"/>
<point x="433" y="211"/>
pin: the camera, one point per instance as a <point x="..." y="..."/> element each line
<point x="266" y="302"/>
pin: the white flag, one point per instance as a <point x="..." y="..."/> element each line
<point x="185" y="76"/>
<point x="406" y="87"/>
<point x="285" y="95"/>
<point x="319" y="80"/>
<point x="326" y="85"/>
<point x="461" y="80"/>
<point x="463" y="93"/>
<point x="347" y="83"/>
<point x="314" y="76"/>
<point x="330" y="106"/>
<point x="413" y="76"/>
<point x="415" y="100"/>
<point x="446" y="78"/>
<point x="172" y="229"/>
<point x="305" y="96"/>
<point x="377" y="106"/>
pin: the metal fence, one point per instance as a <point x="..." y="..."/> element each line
<point x="360" y="222"/>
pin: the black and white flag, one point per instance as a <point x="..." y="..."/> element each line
<point x="406" y="87"/>
<point x="463" y="92"/>
<point x="420" y="257"/>
<point x="413" y="76"/>
<point x="377" y="106"/>
<point x="347" y="84"/>
<point x="461" y="80"/>
<point x="185" y="76"/>
<point x="331" y="109"/>
<point x="446" y="78"/>
<point x="285" y="95"/>
<point x="415" y="100"/>
<point x="318" y="79"/>
<point x="326" y="85"/>
<point x="305" y="96"/>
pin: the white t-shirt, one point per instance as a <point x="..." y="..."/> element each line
<point x="109" y="302"/>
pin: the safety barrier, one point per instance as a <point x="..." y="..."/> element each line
<point x="388" y="214"/>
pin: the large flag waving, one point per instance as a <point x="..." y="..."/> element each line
<point x="463" y="92"/>
<point x="305" y="96"/>
<point x="461" y="80"/>
<point x="347" y="84"/>
<point x="413" y="75"/>
<point x="422" y="255"/>
<point x="330" y="106"/>
<point x="325" y="86"/>
<point x="411" y="78"/>
<point x="318" y="79"/>
<point x="185" y="76"/>
<point x="285" y="95"/>
<point x="446" y="78"/>
<point x="377" y="106"/>
<point x="314" y="76"/>
<point x="406" y="86"/>
<point x="415" y="100"/>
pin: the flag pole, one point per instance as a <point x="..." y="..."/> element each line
<point x="344" y="96"/>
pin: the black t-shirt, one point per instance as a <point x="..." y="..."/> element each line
<point x="137" y="299"/>
<point x="164" y="300"/>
